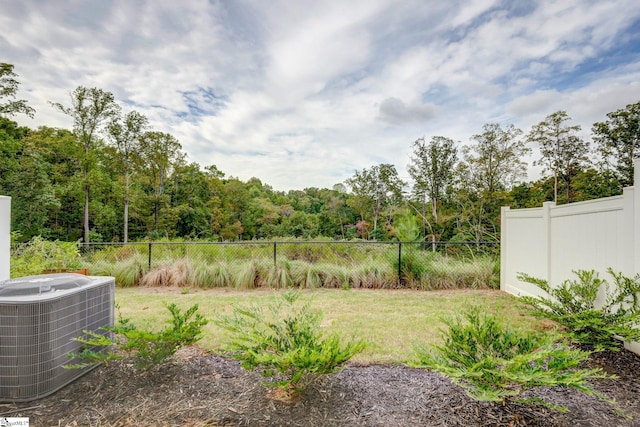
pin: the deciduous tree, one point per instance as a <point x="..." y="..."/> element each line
<point x="125" y="133"/>
<point x="379" y="184"/>
<point x="432" y="169"/>
<point x="90" y="109"/>
<point x="9" y="106"/>
<point x="492" y="164"/>
<point x="618" y="140"/>
<point x="496" y="158"/>
<point x="160" y="153"/>
<point x="564" y="153"/>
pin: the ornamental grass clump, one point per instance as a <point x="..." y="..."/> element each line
<point x="285" y="341"/>
<point x="494" y="363"/>
<point x="574" y="304"/>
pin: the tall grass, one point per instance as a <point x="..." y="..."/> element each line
<point x="129" y="271"/>
<point x="169" y="274"/>
<point x="481" y="272"/>
<point x="245" y="275"/>
<point x="208" y="276"/>
<point x="374" y="275"/>
<point x="279" y="276"/>
<point x="312" y="266"/>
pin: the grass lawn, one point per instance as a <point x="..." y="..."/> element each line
<point x="392" y="321"/>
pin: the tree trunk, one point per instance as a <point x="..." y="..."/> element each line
<point x="125" y="235"/>
<point x="126" y="220"/>
<point x="424" y="215"/>
<point x="434" y="209"/>
<point x="85" y="221"/>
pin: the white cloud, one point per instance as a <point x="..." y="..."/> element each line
<point x="302" y="93"/>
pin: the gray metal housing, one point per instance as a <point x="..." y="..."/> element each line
<point x="39" y="317"/>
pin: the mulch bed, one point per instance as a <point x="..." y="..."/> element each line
<point x="201" y="389"/>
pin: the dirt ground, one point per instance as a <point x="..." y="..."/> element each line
<point x="200" y="389"/>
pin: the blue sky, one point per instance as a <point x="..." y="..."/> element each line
<point x="302" y="93"/>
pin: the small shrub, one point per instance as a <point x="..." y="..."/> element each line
<point x="38" y="254"/>
<point x="146" y="348"/>
<point x="285" y="341"/>
<point x="495" y="364"/>
<point x="573" y="304"/>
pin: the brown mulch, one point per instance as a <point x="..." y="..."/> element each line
<point x="201" y="389"/>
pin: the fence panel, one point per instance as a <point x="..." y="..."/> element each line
<point x="552" y="241"/>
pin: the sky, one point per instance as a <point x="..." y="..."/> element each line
<point x="302" y="93"/>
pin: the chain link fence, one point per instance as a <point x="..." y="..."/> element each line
<point x="307" y="264"/>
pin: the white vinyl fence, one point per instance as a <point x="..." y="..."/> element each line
<point x="551" y="241"/>
<point x="5" y="233"/>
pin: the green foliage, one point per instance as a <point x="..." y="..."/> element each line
<point x="52" y="174"/>
<point x="246" y="275"/>
<point x="147" y="348"/>
<point x="8" y="89"/>
<point x="153" y="348"/>
<point x="433" y="171"/>
<point x="207" y="276"/>
<point x="38" y="254"/>
<point x="280" y="276"/>
<point x="285" y="341"/>
<point x="407" y="228"/>
<point x="494" y="363"/>
<point x="563" y="151"/>
<point x="574" y="304"/>
<point x="97" y="348"/>
<point x="375" y="188"/>
<point x="412" y="260"/>
<point x="618" y="140"/>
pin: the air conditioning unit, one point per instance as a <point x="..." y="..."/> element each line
<point x="39" y="317"/>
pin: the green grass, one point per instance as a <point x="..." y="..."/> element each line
<point x="391" y="320"/>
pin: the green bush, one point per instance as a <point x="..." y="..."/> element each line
<point x="573" y="304"/>
<point x="38" y="255"/>
<point x="494" y="363"/>
<point x="286" y="342"/>
<point x="146" y="348"/>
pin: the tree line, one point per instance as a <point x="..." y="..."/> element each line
<point x="114" y="178"/>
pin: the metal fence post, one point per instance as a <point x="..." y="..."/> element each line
<point x="399" y="263"/>
<point x="274" y="254"/>
<point x="149" y="255"/>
